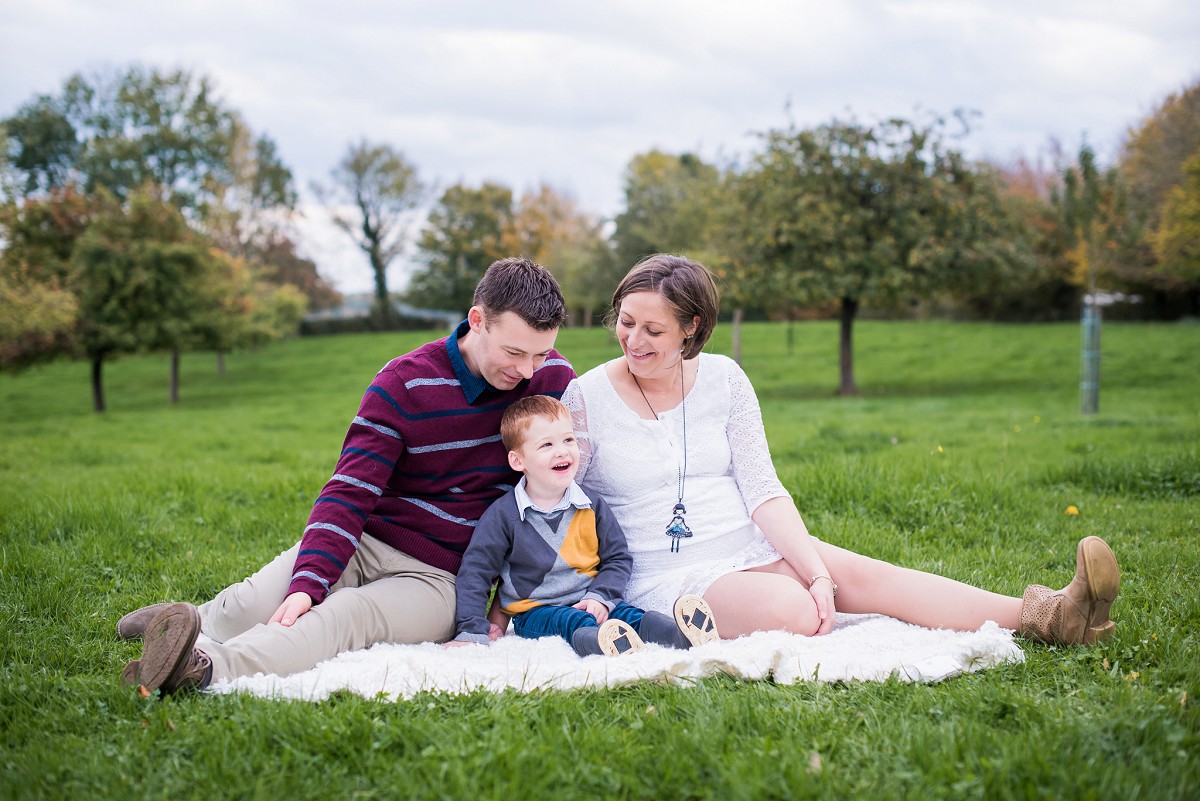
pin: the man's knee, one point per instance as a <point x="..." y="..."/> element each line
<point x="392" y="610"/>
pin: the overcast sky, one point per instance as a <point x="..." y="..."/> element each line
<point x="567" y="92"/>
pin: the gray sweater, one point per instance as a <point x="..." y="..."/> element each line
<point x="557" y="558"/>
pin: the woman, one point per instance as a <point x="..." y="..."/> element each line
<point x="672" y="439"/>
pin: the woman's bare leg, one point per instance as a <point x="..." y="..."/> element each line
<point x="868" y="585"/>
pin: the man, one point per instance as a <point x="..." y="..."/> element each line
<point x="421" y="462"/>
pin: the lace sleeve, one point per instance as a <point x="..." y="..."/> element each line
<point x="752" y="465"/>
<point x="573" y="399"/>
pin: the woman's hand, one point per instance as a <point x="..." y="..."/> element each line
<point x="594" y="608"/>
<point x="822" y="589"/>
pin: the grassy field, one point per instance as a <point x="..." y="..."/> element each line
<point x="961" y="456"/>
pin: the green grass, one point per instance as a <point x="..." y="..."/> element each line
<point x="960" y="456"/>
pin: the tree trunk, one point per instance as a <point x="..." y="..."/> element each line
<point x="737" y="335"/>
<point x="221" y="363"/>
<point x="175" y="375"/>
<point x="383" y="306"/>
<point x="846" y="347"/>
<point x="98" y="384"/>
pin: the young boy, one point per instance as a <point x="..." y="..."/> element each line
<point x="560" y="556"/>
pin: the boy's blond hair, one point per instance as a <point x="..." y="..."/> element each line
<point x="517" y="417"/>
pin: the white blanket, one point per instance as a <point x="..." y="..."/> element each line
<point x="861" y="647"/>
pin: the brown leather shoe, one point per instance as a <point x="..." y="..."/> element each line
<point x="129" y="675"/>
<point x="1078" y="613"/>
<point x="133" y="625"/>
<point x="170" y="660"/>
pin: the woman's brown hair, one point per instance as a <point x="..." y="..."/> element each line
<point x="688" y="287"/>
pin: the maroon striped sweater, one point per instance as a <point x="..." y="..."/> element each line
<point x="421" y="463"/>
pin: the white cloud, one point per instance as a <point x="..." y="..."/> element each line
<point x="567" y="93"/>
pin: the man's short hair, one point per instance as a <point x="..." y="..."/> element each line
<point x="523" y="288"/>
<point x="518" y="417"/>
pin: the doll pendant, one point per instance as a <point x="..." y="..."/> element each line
<point x="677" y="529"/>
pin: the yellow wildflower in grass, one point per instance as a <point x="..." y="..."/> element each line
<point x="1071" y="510"/>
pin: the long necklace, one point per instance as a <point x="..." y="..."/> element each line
<point x="677" y="529"/>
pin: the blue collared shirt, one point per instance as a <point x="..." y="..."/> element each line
<point x="472" y="385"/>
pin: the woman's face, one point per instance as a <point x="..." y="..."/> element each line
<point x="650" y="336"/>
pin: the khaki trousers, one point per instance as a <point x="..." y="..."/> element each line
<point x="384" y="595"/>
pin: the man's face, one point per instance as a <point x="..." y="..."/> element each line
<point x="548" y="455"/>
<point x="508" y="349"/>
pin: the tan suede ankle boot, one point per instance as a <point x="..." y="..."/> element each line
<point x="1078" y="613"/>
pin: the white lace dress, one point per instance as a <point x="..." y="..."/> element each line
<point x="633" y="464"/>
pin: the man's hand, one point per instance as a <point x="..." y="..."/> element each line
<point x="292" y="608"/>
<point x="594" y="608"/>
<point x="495" y="632"/>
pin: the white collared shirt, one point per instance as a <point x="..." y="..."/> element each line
<point x="574" y="496"/>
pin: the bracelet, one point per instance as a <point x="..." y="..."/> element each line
<point x="812" y="580"/>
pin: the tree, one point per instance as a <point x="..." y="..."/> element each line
<point x="733" y="252"/>
<point x="129" y="191"/>
<point x="467" y="230"/>
<point x="1155" y="151"/>
<point x="848" y="212"/>
<point x="1047" y="291"/>
<point x="1093" y="211"/>
<point x="278" y="263"/>
<point x="1177" y="240"/>
<point x="39" y="314"/>
<point x="667" y="206"/>
<point x="373" y="190"/>
<point x="36" y="322"/>
<point x="143" y="279"/>
<point x="1152" y="165"/>
<point x="122" y="130"/>
<point x="1092" y="205"/>
<point x="681" y="204"/>
<point x="550" y="228"/>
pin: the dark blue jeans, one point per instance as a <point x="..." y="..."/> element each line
<point x="563" y="621"/>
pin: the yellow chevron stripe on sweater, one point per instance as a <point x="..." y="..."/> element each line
<point x="581" y="548"/>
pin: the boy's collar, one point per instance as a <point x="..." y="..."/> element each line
<point x="574" y="496"/>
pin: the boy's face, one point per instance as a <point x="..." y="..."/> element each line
<point x="548" y="455"/>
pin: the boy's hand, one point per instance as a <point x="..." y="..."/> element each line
<point x="457" y="644"/>
<point x="594" y="608"/>
<point x="497" y="619"/>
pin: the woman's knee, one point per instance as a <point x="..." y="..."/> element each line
<point x="796" y="614"/>
<point x="784" y="605"/>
